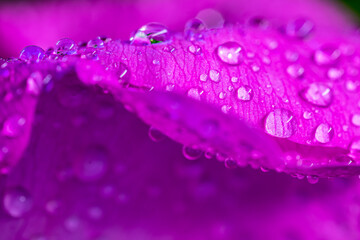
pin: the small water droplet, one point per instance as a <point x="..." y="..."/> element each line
<point x="191" y="153"/>
<point x="335" y="73"/>
<point x="255" y="68"/>
<point x="326" y="55"/>
<point x="91" y="164"/>
<point x="34" y="83"/>
<point x="155" y="135"/>
<point x="17" y="202"/>
<point x="299" y="28"/>
<point x="355" y="120"/>
<point x="195" y="93"/>
<point x="32" y="54"/>
<point x="150" y="34"/>
<point x="194" y="29"/>
<point x="214" y="75"/>
<point x="222" y="95"/>
<point x="354" y="148"/>
<point x="230" y="53"/>
<point x="307" y="115"/>
<point x="312" y="179"/>
<point x="317" y="94"/>
<point x="65" y="46"/>
<point x="324" y="133"/>
<point x="156" y="62"/>
<point x="351" y="85"/>
<point x="14" y="126"/>
<point x="195" y="49"/>
<point x="245" y="93"/>
<point x="203" y="77"/>
<point x="95" y="43"/>
<point x="280" y="123"/>
<point x="266" y="60"/>
<point x="230" y="163"/>
<point x="234" y="79"/>
<point x="291" y="56"/>
<point x="295" y="70"/>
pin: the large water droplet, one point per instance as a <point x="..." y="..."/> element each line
<point x="324" y="133"/>
<point x="13" y="126"/>
<point x="280" y="123"/>
<point x="326" y="55"/>
<point x="65" y="46"/>
<point x="230" y="53"/>
<point x="91" y="164"/>
<point x="149" y="34"/>
<point x="17" y="202"/>
<point x="244" y="93"/>
<point x="194" y="30"/>
<point x="191" y="153"/>
<point x="32" y="54"/>
<point x="195" y="93"/>
<point x="299" y="28"/>
<point x="295" y="70"/>
<point x="317" y="94"/>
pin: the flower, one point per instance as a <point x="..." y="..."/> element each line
<point x="81" y="163"/>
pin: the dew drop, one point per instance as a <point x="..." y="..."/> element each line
<point x="194" y="29"/>
<point x="307" y="115"/>
<point x="230" y="53"/>
<point x="13" y="126"/>
<point x="211" y="18"/>
<point x="91" y="164"/>
<point x="355" y="120"/>
<point x="203" y="77"/>
<point x="326" y="55"/>
<point x="96" y="43"/>
<point x="34" y="83"/>
<point x="244" y="93"/>
<point x="291" y="56"/>
<point x="299" y="28"/>
<point x="150" y="34"/>
<point x="354" y="148"/>
<point x="214" y="75"/>
<point x="324" y="133"/>
<point x="191" y="153"/>
<point x="195" y="93"/>
<point x="195" y="49"/>
<point x="230" y="163"/>
<point x="335" y="73"/>
<point x="17" y="202"/>
<point x="280" y="123"/>
<point x="155" y="135"/>
<point x="255" y="68"/>
<point x="65" y="46"/>
<point x="318" y="94"/>
<point x="32" y="54"/>
<point x="295" y="70"/>
<point x="312" y="179"/>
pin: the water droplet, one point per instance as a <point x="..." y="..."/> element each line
<point x="307" y="115"/>
<point x="312" y="179"/>
<point x="150" y="34"/>
<point x="195" y="49"/>
<point x="335" y="73"/>
<point x="324" y="133"/>
<point x="214" y="75"/>
<point x="95" y="43"/>
<point x="14" y="126"/>
<point x="32" y="54"/>
<point x="230" y="53"/>
<point x="259" y="22"/>
<point x="194" y="30"/>
<point x="211" y="18"/>
<point x="234" y="79"/>
<point x="326" y="55"/>
<point x="230" y="163"/>
<point x="295" y="70"/>
<point x="191" y="153"/>
<point x="255" y="68"/>
<point x="355" y="120"/>
<point x="245" y="93"/>
<point x="91" y="164"/>
<point x="351" y="85"/>
<point x="291" y="56"/>
<point x="354" y="148"/>
<point x="34" y="83"/>
<point x="344" y="159"/>
<point x="203" y="77"/>
<point x="65" y="46"/>
<point x="195" y="93"/>
<point x="280" y="123"/>
<point x="266" y="60"/>
<point x="155" y="135"/>
<point x="299" y="28"/>
<point x="317" y="94"/>
<point x="17" y="202"/>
